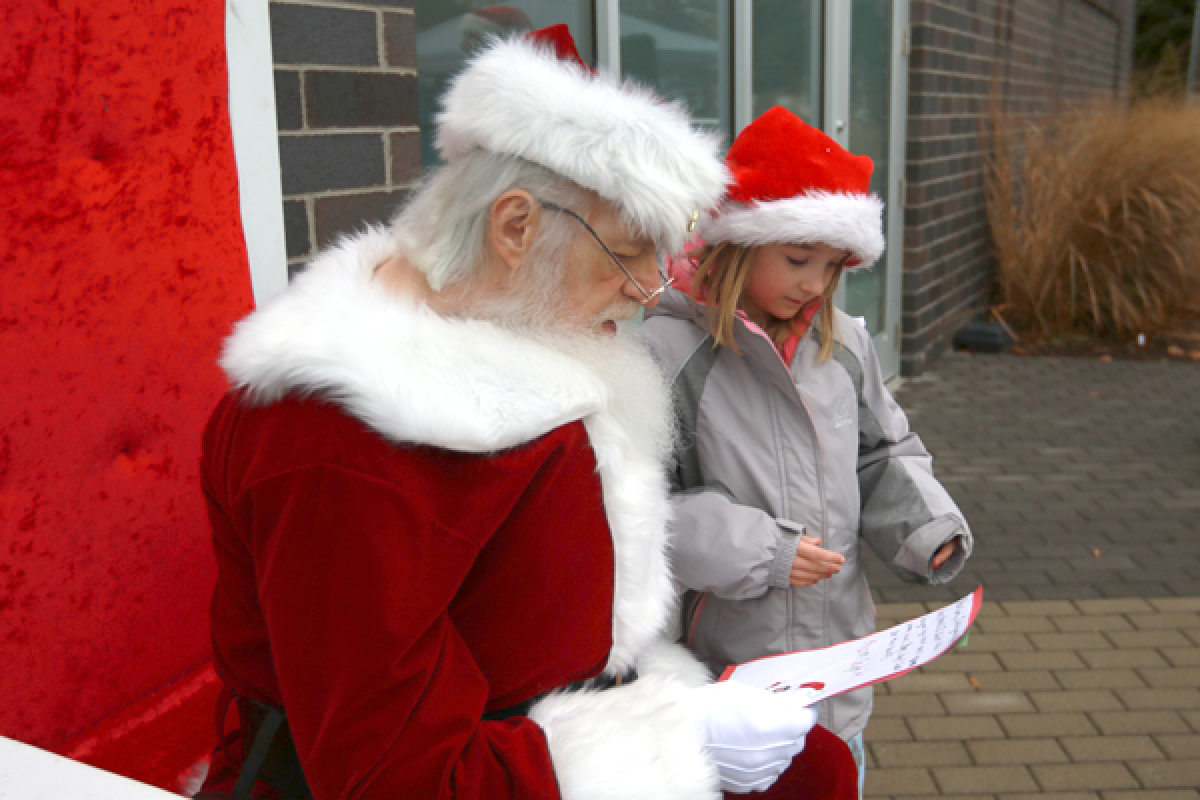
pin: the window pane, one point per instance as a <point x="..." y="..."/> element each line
<point x="448" y="30"/>
<point x="870" y="105"/>
<point x="787" y="57"/>
<point x="681" y="48"/>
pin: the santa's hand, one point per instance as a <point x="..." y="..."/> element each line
<point x="753" y="734"/>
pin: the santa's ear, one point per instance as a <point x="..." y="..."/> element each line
<point x="514" y="221"/>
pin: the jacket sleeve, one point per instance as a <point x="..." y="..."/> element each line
<point x="718" y="545"/>
<point x="385" y="698"/>
<point x="732" y="550"/>
<point x="906" y="514"/>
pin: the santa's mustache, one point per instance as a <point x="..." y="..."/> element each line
<point x="619" y="311"/>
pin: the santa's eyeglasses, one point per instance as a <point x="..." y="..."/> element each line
<point x="649" y="297"/>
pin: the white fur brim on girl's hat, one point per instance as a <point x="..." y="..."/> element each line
<point x="793" y="184"/>
<point x="518" y="97"/>
<point x="847" y="222"/>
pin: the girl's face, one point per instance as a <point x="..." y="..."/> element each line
<point x="784" y="277"/>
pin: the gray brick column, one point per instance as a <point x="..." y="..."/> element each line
<point x="346" y="99"/>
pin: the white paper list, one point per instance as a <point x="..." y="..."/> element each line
<point x="861" y="662"/>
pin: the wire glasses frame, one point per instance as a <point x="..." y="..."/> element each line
<point x="649" y="297"/>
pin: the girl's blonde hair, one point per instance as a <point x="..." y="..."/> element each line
<point x="719" y="282"/>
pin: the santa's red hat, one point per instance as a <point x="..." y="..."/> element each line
<point x="532" y="96"/>
<point x="794" y="184"/>
<point x="559" y="38"/>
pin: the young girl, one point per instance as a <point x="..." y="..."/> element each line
<point x="790" y="446"/>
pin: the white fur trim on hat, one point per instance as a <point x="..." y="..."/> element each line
<point x="851" y="222"/>
<point x="619" y="140"/>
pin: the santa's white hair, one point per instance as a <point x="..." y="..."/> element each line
<point x="442" y="229"/>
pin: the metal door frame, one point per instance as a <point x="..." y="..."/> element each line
<point x="838" y="33"/>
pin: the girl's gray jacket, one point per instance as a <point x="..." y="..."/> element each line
<point x="766" y="454"/>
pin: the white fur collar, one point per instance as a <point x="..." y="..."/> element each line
<point x="465" y="385"/>
<point x="411" y="375"/>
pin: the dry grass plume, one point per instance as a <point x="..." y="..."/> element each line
<point x="1095" y="216"/>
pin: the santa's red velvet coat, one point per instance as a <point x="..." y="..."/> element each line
<point x="418" y="520"/>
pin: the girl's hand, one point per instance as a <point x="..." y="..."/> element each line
<point x="814" y="563"/>
<point x="944" y="552"/>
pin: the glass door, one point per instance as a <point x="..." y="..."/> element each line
<point x="786" y="58"/>
<point x="841" y="65"/>
<point x="870" y="114"/>
<point x="868" y="129"/>
<point x="682" y="49"/>
<point x="448" y="31"/>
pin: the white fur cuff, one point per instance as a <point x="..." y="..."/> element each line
<point x="632" y="742"/>
<point x="666" y="659"/>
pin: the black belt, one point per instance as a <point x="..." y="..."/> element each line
<point x="271" y="754"/>
<point x="597" y="684"/>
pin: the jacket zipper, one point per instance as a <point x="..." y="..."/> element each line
<point x="824" y="513"/>
<point x="693" y="618"/>
<point x="816" y="442"/>
<point x="820" y="491"/>
<point x="824" y="590"/>
<point x="784" y="507"/>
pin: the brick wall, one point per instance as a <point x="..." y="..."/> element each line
<point x="1041" y="55"/>
<point x="346" y="100"/>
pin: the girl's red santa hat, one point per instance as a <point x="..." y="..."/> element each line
<point x="533" y="97"/>
<point x="794" y="184"/>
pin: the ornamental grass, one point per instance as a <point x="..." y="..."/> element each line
<point x="1095" y="218"/>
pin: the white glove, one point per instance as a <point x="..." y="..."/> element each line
<point x="753" y="734"/>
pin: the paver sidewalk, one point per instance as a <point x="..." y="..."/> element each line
<point x="1090" y="699"/>
<point x="1079" y="478"/>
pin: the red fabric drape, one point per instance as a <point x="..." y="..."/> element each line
<point x="123" y="266"/>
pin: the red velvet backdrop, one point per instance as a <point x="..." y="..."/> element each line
<point x="123" y="267"/>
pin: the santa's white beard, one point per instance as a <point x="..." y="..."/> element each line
<point x="638" y="394"/>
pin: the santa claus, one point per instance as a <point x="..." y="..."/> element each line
<point x="437" y="489"/>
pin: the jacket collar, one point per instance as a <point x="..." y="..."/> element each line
<point x="754" y="344"/>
